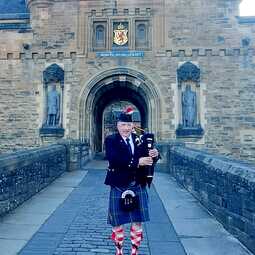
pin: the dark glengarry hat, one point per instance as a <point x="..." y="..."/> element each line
<point x="126" y="115"/>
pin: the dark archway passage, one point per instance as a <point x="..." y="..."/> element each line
<point x="110" y="87"/>
<point x="111" y="93"/>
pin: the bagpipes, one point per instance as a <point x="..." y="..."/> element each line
<point x="147" y="141"/>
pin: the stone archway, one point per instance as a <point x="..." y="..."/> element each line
<point x="111" y="86"/>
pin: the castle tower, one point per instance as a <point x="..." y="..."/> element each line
<point x="40" y="11"/>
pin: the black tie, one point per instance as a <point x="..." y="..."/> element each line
<point x="129" y="146"/>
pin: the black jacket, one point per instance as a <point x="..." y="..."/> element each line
<point x="123" y="168"/>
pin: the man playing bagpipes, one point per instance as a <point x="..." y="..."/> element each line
<point x="130" y="161"/>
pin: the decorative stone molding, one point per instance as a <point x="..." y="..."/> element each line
<point x="54" y="73"/>
<point x="188" y="72"/>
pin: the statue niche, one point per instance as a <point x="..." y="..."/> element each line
<point x="189" y="112"/>
<point x="53" y="78"/>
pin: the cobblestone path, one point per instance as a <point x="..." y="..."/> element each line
<point x="78" y="226"/>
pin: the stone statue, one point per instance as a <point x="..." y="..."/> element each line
<point x="189" y="108"/>
<point x="53" y="107"/>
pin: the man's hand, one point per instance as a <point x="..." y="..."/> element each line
<point x="153" y="153"/>
<point x="145" y="161"/>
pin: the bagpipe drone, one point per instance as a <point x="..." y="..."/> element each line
<point x="146" y="140"/>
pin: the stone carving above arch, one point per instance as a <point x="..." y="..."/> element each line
<point x="188" y="72"/>
<point x="53" y="73"/>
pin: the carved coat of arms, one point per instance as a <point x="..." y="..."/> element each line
<point x="120" y="35"/>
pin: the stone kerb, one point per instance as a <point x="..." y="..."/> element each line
<point x="225" y="187"/>
<point x="23" y="174"/>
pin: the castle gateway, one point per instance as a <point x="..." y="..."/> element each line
<point x="68" y="67"/>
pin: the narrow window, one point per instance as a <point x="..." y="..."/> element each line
<point x="99" y="36"/>
<point x="141" y="33"/>
<point x="141" y="39"/>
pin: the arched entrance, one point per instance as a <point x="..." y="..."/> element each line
<point x="111" y="86"/>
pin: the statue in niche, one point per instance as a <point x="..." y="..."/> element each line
<point x="189" y="108"/>
<point x="53" y="107"/>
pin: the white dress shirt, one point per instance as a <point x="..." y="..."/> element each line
<point x="131" y="143"/>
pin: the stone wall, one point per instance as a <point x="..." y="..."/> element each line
<point x="225" y="187"/>
<point x="18" y="106"/>
<point x="77" y="154"/>
<point x="24" y="173"/>
<point x="226" y="96"/>
<point x="227" y="113"/>
<point x="207" y="33"/>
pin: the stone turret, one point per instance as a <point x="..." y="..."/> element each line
<point x="54" y="23"/>
<point x="40" y="14"/>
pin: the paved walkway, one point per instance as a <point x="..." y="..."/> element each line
<point x="76" y="221"/>
<point x="199" y="232"/>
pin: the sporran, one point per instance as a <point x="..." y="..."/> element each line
<point x="129" y="201"/>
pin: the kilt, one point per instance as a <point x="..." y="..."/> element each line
<point x="116" y="216"/>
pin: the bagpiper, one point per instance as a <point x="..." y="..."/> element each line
<point x="127" y="177"/>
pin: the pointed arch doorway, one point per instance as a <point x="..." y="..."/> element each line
<point x="111" y="87"/>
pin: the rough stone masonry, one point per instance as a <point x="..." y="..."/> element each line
<point x="36" y="34"/>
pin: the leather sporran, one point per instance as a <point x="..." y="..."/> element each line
<point x="129" y="201"/>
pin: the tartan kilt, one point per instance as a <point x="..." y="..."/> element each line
<point x="116" y="216"/>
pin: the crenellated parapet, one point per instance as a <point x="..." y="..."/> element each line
<point x="174" y="53"/>
<point x="205" y="52"/>
<point x="120" y="12"/>
<point x="37" y="55"/>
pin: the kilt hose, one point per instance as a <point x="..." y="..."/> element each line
<point x="116" y="216"/>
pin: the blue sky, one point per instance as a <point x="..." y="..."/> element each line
<point x="247" y="8"/>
